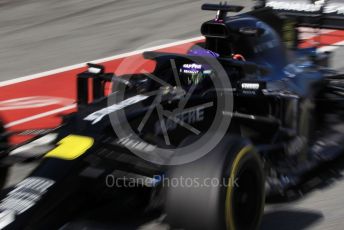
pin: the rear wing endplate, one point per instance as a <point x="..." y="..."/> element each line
<point x="327" y="14"/>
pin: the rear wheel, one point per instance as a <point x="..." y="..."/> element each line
<point x="223" y="190"/>
<point x="3" y="149"/>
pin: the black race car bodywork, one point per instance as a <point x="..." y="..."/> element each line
<point x="284" y="101"/>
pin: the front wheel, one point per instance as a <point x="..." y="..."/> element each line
<point x="223" y="190"/>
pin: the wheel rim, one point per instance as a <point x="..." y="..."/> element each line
<point x="246" y="200"/>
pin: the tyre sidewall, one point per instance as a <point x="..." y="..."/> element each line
<point x="205" y="207"/>
<point x="3" y="170"/>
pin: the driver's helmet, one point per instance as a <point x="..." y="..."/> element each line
<point x="200" y="51"/>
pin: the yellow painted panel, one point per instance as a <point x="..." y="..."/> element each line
<point x="71" y="147"/>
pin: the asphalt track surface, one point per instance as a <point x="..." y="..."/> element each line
<point x="40" y="35"/>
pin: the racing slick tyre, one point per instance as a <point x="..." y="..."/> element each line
<point x="3" y="148"/>
<point x="223" y="190"/>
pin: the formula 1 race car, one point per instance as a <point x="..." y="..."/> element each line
<point x="201" y="141"/>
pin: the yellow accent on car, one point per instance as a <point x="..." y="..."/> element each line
<point x="71" y="147"/>
<point x="229" y="196"/>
